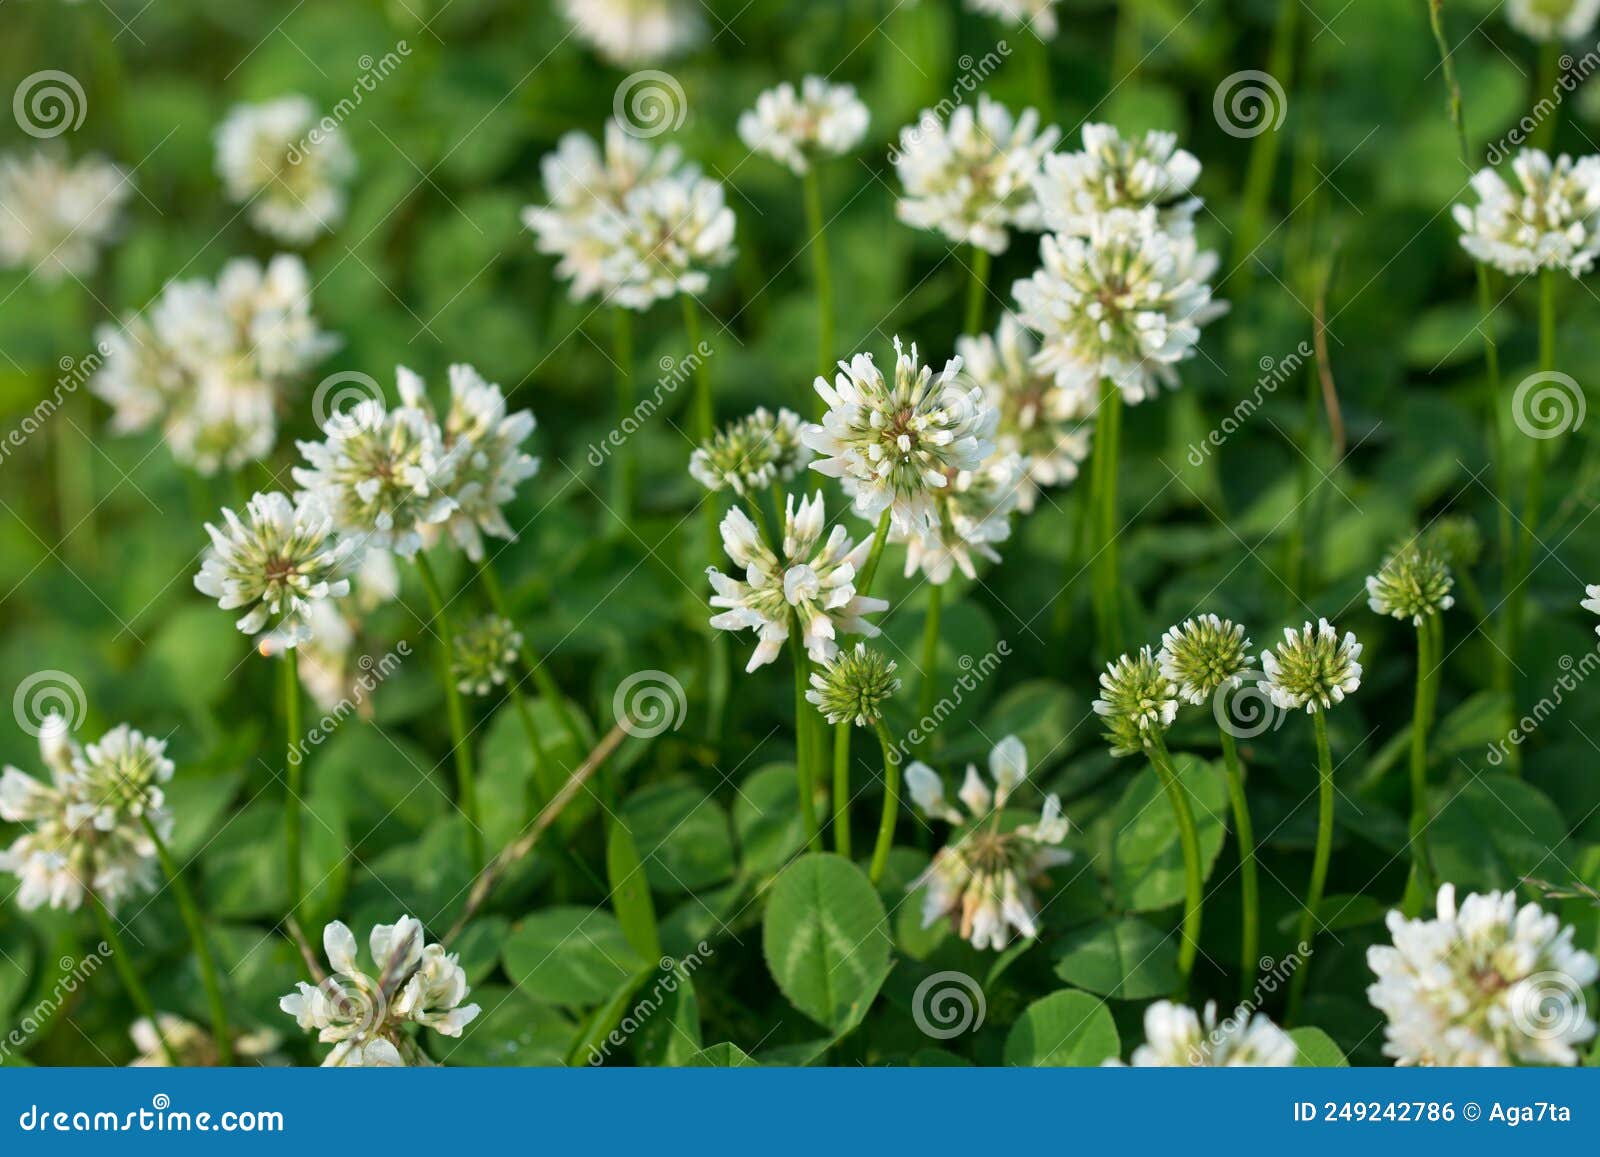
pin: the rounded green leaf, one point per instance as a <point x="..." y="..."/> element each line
<point x="1066" y="1029"/>
<point x="1146" y="857"/>
<point x="1130" y="959"/>
<point x="572" y="957"/>
<point x="826" y="939"/>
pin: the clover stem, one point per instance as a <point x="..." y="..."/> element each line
<point x="202" y="950"/>
<point x="130" y="977"/>
<point x="805" y="772"/>
<point x="532" y="661"/>
<point x="294" y="772"/>
<point x="821" y="274"/>
<point x="841" y="788"/>
<point x="1104" y="577"/>
<point x="870" y="571"/>
<point x="891" y="805"/>
<point x="625" y="479"/>
<point x="977" y="289"/>
<point x="461" y="749"/>
<point x="1319" y="862"/>
<point x="717" y="675"/>
<point x="1420" y="721"/>
<point x="930" y="656"/>
<point x="1249" y="883"/>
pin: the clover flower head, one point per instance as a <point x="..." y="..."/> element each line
<point x="485" y="655"/>
<point x="627" y="32"/>
<point x="1483" y="984"/>
<point x="1116" y="173"/>
<point x="974" y="516"/>
<point x="288" y="168"/>
<point x="1038" y="16"/>
<point x="896" y="446"/>
<point x="808" y="588"/>
<point x="1312" y="668"/>
<point x="971" y="179"/>
<point x="1546" y="20"/>
<point x="277" y="562"/>
<point x="1551" y="220"/>
<point x="793" y="128"/>
<point x="1125" y="301"/>
<point x="1043" y="424"/>
<point x="385" y="475"/>
<point x="1412" y="583"/>
<point x="365" y="1016"/>
<point x="751" y="453"/>
<point x="55" y="214"/>
<point x="1138" y="702"/>
<point x="484" y="443"/>
<point x="194" y="1047"/>
<point x="669" y="236"/>
<point x="1592" y="601"/>
<point x="1203" y="654"/>
<point x="980" y="881"/>
<point x="1175" y="1037"/>
<point x="853" y="686"/>
<point x="91" y="824"/>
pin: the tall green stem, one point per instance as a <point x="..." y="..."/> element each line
<point x="1189" y="842"/>
<point x="718" y="677"/>
<point x="891" y="805"/>
<point x="294" y="778"/>
<point x="804" y="765"/>
<point x="977" y="290"/>
<point x="1249" y="884"/>
<point x="821" y="275"/>
<point x="1421" y="719"/>
<point x="841" y="788"/>
<point x="1103" y="484"/>
<point x="1319" y="862"/>
<point x="202" y="950"/>
<point x="129" y="976"/>
<point x="536" y="667"/>
<point x="625" y="481"/>
<point x="1264" y="148"/>
<point x="1546" y="76"/>
<point x="930" y="655"/>
<point x="879" y="538"/>
<point x="466" y="779"/>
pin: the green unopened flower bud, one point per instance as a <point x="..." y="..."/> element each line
<point x="1202" y="654"/>
<point x="853" y="686"/>
<point x="1312" y="668"/>
<point x="486" y="651"/>
<point x="1137" y="701"/>
<point x="1411" y="584"/>
<point x="751" y="453"/>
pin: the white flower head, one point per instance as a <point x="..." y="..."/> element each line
<point x="752" y="453"/>
<point x="980" y="881"/>
<point x="1547" y="20"/>
<point x="287" y="167"/>
<point x="974" y="516"/>
<point x="1592" y="601"/>
<point x="628" y="32"/>
<point x="896" y="446"/>
<point x="1550" y="220"/>
<point x="1124" y="302"/>
<point x="810" y="588"/>
<point x="1038" y="16"/>
<point x="56" y="215"/>
<point x="1175" y="1037"/>
<point x="275" y="563"/>
<point x="1312" y="668"/>
<point x="90" y="824"/>
<point x="365" y="1015"/>
<point x="194" y="1047"/>
<point x="793" y="128"/>
<point x="668" y="238"/>
<point x="1483" y="984"/>
<point x="1043" y="424"/>
<point x="972" y="179"/>
<point x="1116" y="173"/>
<point x="484" y="444"/>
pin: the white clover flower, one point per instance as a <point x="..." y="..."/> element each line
<point x="1592" y="602"/>
<point x="1177" y="1038"/>
<point x="486" y="654"/>
<point x="822" y="119"/>
<point x="1313" y="668"/>
<point x="1550" y="221"/>
<point x="972" y="179"/>
<point x="853" y="686"/>
<point x="1112" y="173"/>
<point x="1413" y="584"/>
<point x="212" y="364"/>
<point x="629" y="32"/>
<point x="289" y="169"/>
<point x="668" y="238"/>
<point x="587" y="184"/>
<point x="385" y="475"/>
<point x="1125" y="302"/>
<point x="1043" y="424"/>
<point x="56" y="215"/>
<point x="895" y="447"/>
<point x="1199" y="656"/>
<point x="194" y="1047"/>
<point x="1038" y="16"/>
<point x="974" y="516"/>
<point x="810" y="589"/>
<point x="1137" y="701"/>
<point x="365" y="1016"/>
<point x="1485" y="984"/>
<point x="980" y="882"/>
<point x="1547" y="20"/>
<point x="485" y="445"/>
<point x="752" y="453"/>
<point x="88" y="824"/>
